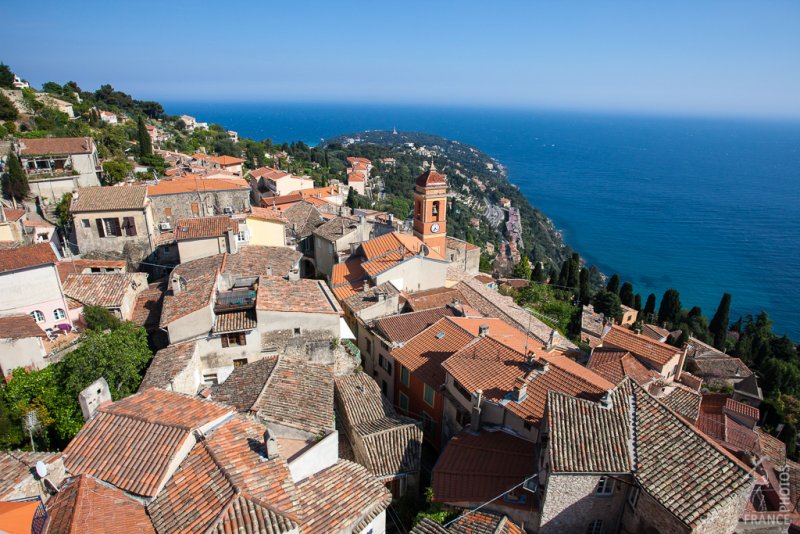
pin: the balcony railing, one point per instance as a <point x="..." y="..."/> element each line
<point x="235" y="299"/>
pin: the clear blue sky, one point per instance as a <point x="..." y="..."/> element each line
<point x="689" y="57"/>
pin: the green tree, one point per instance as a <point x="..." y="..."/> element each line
<point x="119" y="356"/>
<point x="650" y="307"/>
<point x="626" y="294"/>
<point x="6" y="76"/>
<point x="116" y="170"/>
<point x="573" y="276"/>
<point x="670" y="309"/>
<point x="637" y="302"/>
<point x="523" y="268"/>
<point x="613" y="284"/>
<point x="552" y="276"/>
<point x="143" y="139"/>
<point x="719" y="323"/>
<point x="351" y="198"/>
<point x="608" y="304"/>
<point x="585" y="290"/>
<point x="15" y="183"/>
<point x="63" y="210"/>
<point x="8" y="111"/>
<point x="99" y="318"/>
<point x="537" y="275"/>
<point x="563" y="275"/>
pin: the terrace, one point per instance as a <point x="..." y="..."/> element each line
<point x="241" y="296"/>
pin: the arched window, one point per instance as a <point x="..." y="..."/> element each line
<point x="435" y="209"/>
<point x="59" y="313"/>
<point x="418" y="206"/>
<point x="37" y="316"/>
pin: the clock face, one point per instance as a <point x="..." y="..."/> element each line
<point x="435" y="227"/>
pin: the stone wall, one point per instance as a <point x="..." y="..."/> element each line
<point x="649" y="517"/>
<point x="208" y="203"/>
<point x="570" y="504"/>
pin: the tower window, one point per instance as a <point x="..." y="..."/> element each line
<point x="435" y="210"/>
<point x="419" y="210"/>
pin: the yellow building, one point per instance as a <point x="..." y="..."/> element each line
<point x="267" y="228"/>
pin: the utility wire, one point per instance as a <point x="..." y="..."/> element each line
<point x="473" y="510"/>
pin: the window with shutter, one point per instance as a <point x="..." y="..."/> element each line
<point x="129" y="224"/>
<point x="101" y="231"/>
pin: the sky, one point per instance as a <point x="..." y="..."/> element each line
<point x="722" y="58"/>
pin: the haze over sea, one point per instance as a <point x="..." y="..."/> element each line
<point x="702" y="205"/>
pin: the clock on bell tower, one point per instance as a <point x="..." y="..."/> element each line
<point x="430" y="210"/>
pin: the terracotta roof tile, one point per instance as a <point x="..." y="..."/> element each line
<point x="298" y="394"/>
<point x="24" y="257"/>
<point x="649" y="349"/>
<point x="226" y="160"/>
<point x="204" y="227"/>
<point x="16" y="466"/>
<point x="193" y="184"/>
<point x="680" y="399"/>
<point x="431" y="178"/>
<point x="19" y="327"/>
<point x="303" y="218"/>
<point x="198" y="282"/>
<point x="256" y="260"/>
<point x="365" y="299"/>
<point x="742" y="409"/>
<point x="268" y="214"/>
<point x="614" y="365"/>
<point x="237" y="321"/>
<point x="103" y="289"/>
<point x="300" y="296"/>
<point x="485" y="523"/>
<point x="349" y="273"/>
<point x="726" y="367"/>
<point x="167" y="364"/>
<point x="245" y="384"/>
<point x="147" y="429"/>
<point x="393" y="444"/>
<point x="147" y="312"/>
<point x="84" y="504"/>
<point x="109" y="198"/>
<point x="67" y="267"/>
<point x="477" y="468"/>
<point x="12" y="214"/>
<point x="402" y="327"/>
<point x="359" y="496"/>
<point x="54" y="146"/>
<point x="681" y="468"/>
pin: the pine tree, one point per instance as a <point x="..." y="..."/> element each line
<point x="626" y="294"/>
<point x="650" y="307"/>
<point x="585" y="289"/>
<point x="538" y="272"/>
<point x="15" y="183"/>
<point x="670" y="308"/>
<point x="613" y="284"/>
<point x="719" y="323"/>
<point x="145" y="143"/>
<point x="637" y="302"/>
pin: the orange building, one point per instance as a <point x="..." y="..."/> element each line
<point x="430" y="210"/>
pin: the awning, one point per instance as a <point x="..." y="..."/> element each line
<point x="344" y="330"/>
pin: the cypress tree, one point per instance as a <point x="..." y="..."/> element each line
<point x="626" y="294"/>
<point x="585" y="290"/>
<point x="670" y="308"/>
<point x="573" y="278"/>
<point x="538" y="272"/>
<point x="637" y="302"/>
<point x="553" y="276"/>
<point x="145" y="143"/>
<point x="613" y="284"/>
<point x="15" y="183"/>
<point x="719" y="323"/>
<point x="563" y="276"/>
<point x="650" y="306"/>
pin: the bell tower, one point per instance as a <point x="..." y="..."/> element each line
<point x="430" y="210"/>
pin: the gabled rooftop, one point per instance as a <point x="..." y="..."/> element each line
<point x="103" y="289"/>
<point x="402" y="327"/>
<point x="644" y="347"/>
<point x="205" y="227"/>
<point x="109" y="198"/>
<point x="19" y="327"/>
<point x="615" y="364"/>
<point x="56" y="146"/>
<point x="299" y="296"/>
<point x="25" y="257"/>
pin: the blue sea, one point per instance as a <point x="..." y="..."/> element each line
<point x="701" y="205"/>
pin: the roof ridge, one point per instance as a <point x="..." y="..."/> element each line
<point x="75" y="511"/>
<point x="278" y="360"/>
<point x="633" y="448"/>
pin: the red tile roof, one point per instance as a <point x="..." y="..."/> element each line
<point x="109" y="198"/>
<point x="19" y="327"/>
<point x="614" y="365"/>
<point x="55" y="146"/>
<point x="299" y="296"/>
<point x="103" y="289"/>
<point x="194" y="184"/>
<point x="402" y="327"/>
<point x="424" y="354"/>
<point x="134" y="442"/>
<point x="84" y="504"/>
<point x="147" y="312"/>
<point x="478" y="468"/>
<point x="431" y="178"/>
<point x="204" y="227"/>
<point x="16" y="466"/>
<point x="742" y="409"/>
<point x="167" y="364"/>
<point x="433" y="298"/>
<point x="641" y="346"/>
<point x="354" y="159"/>
<point x="267" y="214"/>
<point x="24" y="257"/>
<point x="355" y="177"/>
<point x="226" y="160"/>
<point x="67" y="267"/>
<point x="341" y="498"/>
<point x="13" y="215"/>
<point x="198" y="282"/>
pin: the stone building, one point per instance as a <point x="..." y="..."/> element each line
<point x="55" y="166"/>
<point x="194" y="196"/>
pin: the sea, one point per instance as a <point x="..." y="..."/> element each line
<point x="702" y="205"/>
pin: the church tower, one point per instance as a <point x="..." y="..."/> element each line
<point x="430" y="210"/>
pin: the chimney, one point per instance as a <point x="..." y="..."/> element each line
<point x="294" y="274"/>
<point x="520" y="390"/>
<point x="475" y="418"/>
<point x="271" y="444"/>
<point x="483" y="330"/>
<point x="269" y="270"/>
<point x="381" y="296"/>
<point x="232" y="244"/>
<point x="93" y="396"/>
<point x="605" y="400"/>
<point x="175" y="282"/>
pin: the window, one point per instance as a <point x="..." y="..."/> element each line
<point x="58" y="313"/>
<point x="403" y="402"/>
<point x="388" y="366"/>
<point x="129" y="225"/>
<point x="380" y="360"/>
<point x="210" y="379"/>
<point x="109" y="227"/>
<point x="595" y="527"/>
<point x="234" y="339"/>
<point x="195" y="208"/>
<point x="167" y="212"/>
<point x="384" y="388"/>
<point x="242" y="236"/>
<point x="405" y="376"/>
<point x="527" y="425"/>
<point x="369" y="347"/>
<point x="435" y="210"/>
<point x="427" y="394"/>
<point x="85" y="223"/>
<point x="239" y="362"/>
<point x="633" y="496"/>
<point x="605" y="486"/>
<point x="296" y="332"/>
<point x="37" y="316"/>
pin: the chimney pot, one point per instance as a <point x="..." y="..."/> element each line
<point x="269" y="270"/>
<point x="483" y="330"/>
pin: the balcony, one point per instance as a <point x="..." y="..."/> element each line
<point x="235" y="299"/>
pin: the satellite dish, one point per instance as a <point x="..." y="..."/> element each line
<point x="41" y="469"/>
